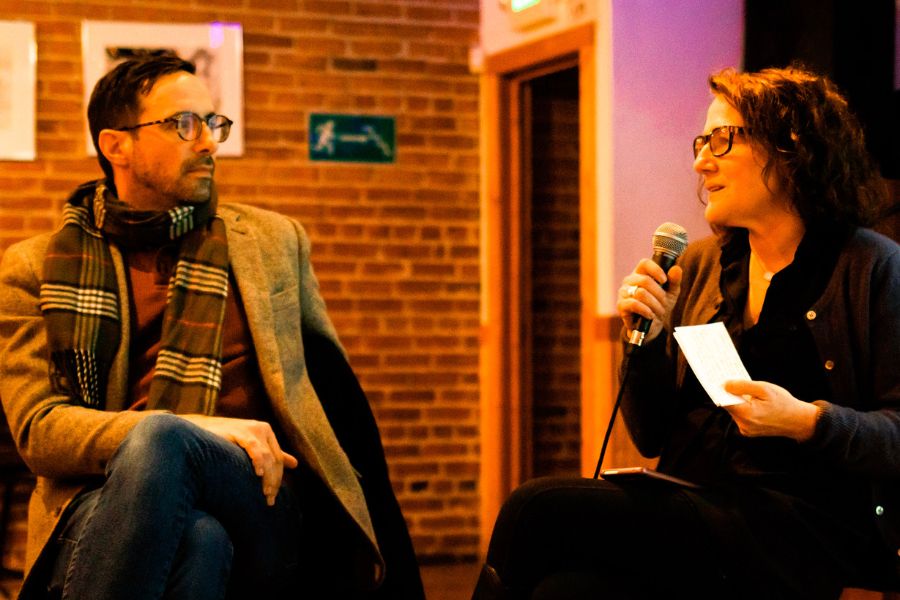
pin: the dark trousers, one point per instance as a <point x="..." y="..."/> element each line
<point x="581" y="538"/>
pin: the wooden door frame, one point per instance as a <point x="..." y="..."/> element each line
<point x="504" y="342"/>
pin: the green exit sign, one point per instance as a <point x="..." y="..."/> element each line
<point x="520" y="5"/>
<point x="352" y="138"/>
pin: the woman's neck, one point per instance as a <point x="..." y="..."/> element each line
<point x="775" y="244"/>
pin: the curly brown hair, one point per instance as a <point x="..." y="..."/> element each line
<point x="814" y="142"/>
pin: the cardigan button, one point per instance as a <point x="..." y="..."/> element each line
<point x="810" y="315"/>
<point x="829" y="365"/>
<point x="879" y="510"/>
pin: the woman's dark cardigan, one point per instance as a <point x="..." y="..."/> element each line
<point x="855" y="324"/>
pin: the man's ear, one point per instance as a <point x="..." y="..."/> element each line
<point x="116" y="146"/>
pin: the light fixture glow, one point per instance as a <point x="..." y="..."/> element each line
<point x="520" y="5"/>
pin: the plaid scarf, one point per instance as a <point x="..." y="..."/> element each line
<point x="80" y="300"/>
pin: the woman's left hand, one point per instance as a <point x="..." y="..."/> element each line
<point x="771" y="410"/>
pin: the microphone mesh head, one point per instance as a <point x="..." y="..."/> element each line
<point x="670" y="239"/>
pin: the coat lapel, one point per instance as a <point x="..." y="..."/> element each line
<point x="288" y="386"/>
<point x="249" y="272"/>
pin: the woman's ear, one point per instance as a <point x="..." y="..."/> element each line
<point x="116" y="146"/>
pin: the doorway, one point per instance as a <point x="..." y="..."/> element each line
<point x="553" y="407"/>
<point x="545" y="362"/>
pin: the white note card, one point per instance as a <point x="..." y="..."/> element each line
<point x="713" y="358"/>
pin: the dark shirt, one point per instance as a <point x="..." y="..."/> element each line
<point x="705" y="445"/>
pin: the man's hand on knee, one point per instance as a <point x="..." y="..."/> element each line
<point x="258" y="441"/>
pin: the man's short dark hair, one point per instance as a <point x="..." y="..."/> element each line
<point x="116" y="99"/>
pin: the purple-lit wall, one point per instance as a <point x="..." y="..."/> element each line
<point x="662" y="54"/>
<point x="652" y="60"/>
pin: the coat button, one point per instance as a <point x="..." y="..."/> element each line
<point x="810" y="315"/>
<point x="879" y="510"/>
<point x="829" y="365"/>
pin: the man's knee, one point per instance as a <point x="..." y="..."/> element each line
<point x="157" y="438"/>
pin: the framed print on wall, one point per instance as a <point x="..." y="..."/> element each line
<point x="18" y="77"/>
<point x="217" y="49"/>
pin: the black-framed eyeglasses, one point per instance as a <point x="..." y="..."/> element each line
<point x="719" y="139"/>
<point x="188" y="126"/>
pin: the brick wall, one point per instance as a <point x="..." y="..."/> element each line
<point x="395" y="246"/>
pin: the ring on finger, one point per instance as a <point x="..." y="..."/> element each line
<point x="631" y="291"/>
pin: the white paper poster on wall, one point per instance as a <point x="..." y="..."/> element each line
<point x="217" y="49"/>
<point x="18" y="68"/>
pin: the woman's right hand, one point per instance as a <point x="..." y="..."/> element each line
<point x="642" y="295"/>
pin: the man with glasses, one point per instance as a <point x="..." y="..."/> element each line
<point x="171" y="375"/>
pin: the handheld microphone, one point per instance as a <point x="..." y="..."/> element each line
<point x="669" y="241"/>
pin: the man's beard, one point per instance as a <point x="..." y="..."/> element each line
<point x="196" y="191"/>
<point x="202" y="190"/>
<point x="186" y="190"/>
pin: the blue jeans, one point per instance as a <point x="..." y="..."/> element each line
<point x="181" y="515"/>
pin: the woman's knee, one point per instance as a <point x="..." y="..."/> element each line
<point x="535" y="497"/>
<point x="542" y="517"/>
<point x="527" y="509"/>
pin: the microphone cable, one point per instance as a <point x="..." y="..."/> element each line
<point x="626" y="371"/>
<point x="669" y="242"/>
